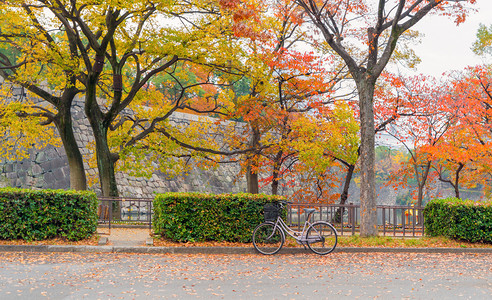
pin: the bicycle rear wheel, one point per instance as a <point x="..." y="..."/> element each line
<point x="268" y="238"/>
<point x="321" y="238"/>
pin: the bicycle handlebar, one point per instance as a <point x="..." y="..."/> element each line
<point x="284" y="202"/>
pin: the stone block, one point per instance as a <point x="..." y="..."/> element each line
<point x="40" y="184"/>
<point x="36" y="169"/>
<point x="59" y="175"/>
<point x="62" y="185"/>
<point x="12" y="175"/>
<point x="47" y="166"/>
<point x="8" y="168"/>
<point x="40" y="157"/>
<point x="58" y="163"/>
<point x="49" y="177"/>
<point x="21" y="182"/>
<point x="51" y="153"/>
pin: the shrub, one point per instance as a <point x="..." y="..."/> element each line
<point x="459" y="219"/>
<point x="192" y="217"/>
<point x="44" y="214"/>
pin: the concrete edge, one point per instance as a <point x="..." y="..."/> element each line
<point x="224" y="250"/>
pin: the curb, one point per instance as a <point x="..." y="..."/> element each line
<point x="223" y="250"/>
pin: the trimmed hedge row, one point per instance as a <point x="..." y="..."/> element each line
<point x="194" y="217"/>
<point x="44" y="214"/>
<point x="459" y="219"/>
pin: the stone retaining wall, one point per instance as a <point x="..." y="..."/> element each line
<point x="48" y="168"/>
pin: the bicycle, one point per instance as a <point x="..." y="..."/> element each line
<point x="269" y="237"/>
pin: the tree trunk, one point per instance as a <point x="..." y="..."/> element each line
<point x="105" y="162"/>
<point x="457" y="181"/>
<point x="100" y="126"/>
<point x="78" y="180"/>
<point x="252" y="179"/>
<point x="421" y="184"/>
<point x="275" y="182"/>
<point x="251" y="171"/>
<point x="346" y="185"/>
<point x="276" y="172"/>
<point x="368" y="223"/>
<point x="344" y="195"/>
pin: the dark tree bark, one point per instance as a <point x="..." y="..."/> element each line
<point x="456" y="182"/>
<point x="252" y="168"/>
<point x="63" y="122"/>
<point x="277" y="164"/>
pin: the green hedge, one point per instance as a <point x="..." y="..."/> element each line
<point x="459" y="219"/>
<point x="193" y="217"/>
<point x="44" y="214"/>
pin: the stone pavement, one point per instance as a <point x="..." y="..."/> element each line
<point x="209" y="276"/>
<point x="125" y="237"/>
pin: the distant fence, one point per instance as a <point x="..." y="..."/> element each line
<point x="392" y="220"/>
<point x="125" y="211"/>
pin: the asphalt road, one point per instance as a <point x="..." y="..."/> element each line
<point x="219" y="276"/>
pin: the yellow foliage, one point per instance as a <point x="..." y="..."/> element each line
<point x="20" y="130"/>
<point x="322" y="138"/>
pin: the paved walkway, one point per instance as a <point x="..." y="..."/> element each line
<point x="126" y="237"/>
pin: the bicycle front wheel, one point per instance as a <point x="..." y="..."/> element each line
<point x="268" y="238"/>
<point x="321" y="238"/>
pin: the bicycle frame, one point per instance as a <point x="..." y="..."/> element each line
<point x="299" y="236"/>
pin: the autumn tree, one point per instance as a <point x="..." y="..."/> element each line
<point x="147" y="141"/>
<point x="464" y="152"/>
<point x="279" y="82"/>
<point x="41" y="60"/>
<point x="116" y="48"/>
<point x="343" y="25"/>
<point x="421" y="124"/>
<point x="453" y="156"/>
<point x="328" y="143"/>
<point x="483" y="43"/>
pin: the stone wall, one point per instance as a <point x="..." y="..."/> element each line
<point x="48" y="168"/>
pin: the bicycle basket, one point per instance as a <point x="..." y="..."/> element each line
<point x="271" y="212"/>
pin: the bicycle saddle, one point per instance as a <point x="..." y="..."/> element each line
<point x="309" y="210"/>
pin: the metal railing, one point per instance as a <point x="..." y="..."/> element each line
<point x="133" y="211"/>
<point x="392" y="220"/>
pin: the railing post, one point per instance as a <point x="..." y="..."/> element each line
<point x="422" y="220"/>
<point x="353" y="213"/>
<point x="341" y="219"/>
<point x="414" y="217"/>
<point x="395" y="221"/>
<point x="149" y="212"/>
<point x="403" y="220"/>
<point x="110" y="215"/>
<point x="298" y="218"/>
<point x="384" y="221"/>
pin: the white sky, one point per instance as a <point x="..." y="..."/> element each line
<point x="447" y="47"/>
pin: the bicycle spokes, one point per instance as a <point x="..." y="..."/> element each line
<point x="268" y="238"/>
<point x="321" y="238"/>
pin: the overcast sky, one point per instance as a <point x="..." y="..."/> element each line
<point x="447" y="47"/>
